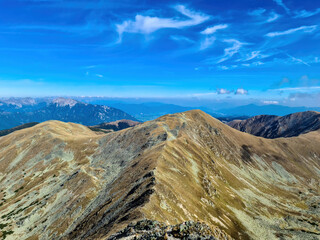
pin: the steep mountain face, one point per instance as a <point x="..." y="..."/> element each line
<point x="66" y="110"/>
<point x="269" y="126"/>
<point x="64" y="181"/>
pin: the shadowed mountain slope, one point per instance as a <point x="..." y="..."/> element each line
<point x="270" y="126"/>
<point x="115" y="126"/>
<point x="11" y="130"/>
<point x="64" y="181"/>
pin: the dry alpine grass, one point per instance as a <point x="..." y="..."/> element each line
<point x="64" y="181"/>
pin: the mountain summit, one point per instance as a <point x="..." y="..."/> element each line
<point x="62" y="102"/>
<point x="64" y="181"/>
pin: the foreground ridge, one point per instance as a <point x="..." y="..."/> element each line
<point x="64" y="181"/>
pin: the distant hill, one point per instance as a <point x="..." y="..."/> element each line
<point x="61" y="109"/>
<point x="270" y="126"/>
<point x="253" y="110"/>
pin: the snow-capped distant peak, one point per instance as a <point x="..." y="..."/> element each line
<point x="62" y="102"/>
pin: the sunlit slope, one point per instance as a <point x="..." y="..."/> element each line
<point x="61" y="180"/>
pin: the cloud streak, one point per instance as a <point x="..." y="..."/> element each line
<point x="230" y="51"/>
<point x="147" y="25"/>
<point x="305" y="29"/>
<point x="298" y="60"/>
<point x="273" y="17"/>
<point x="281" y="4"/>
<point x="213" y="29"/>
<point x="306" y="14"/>
<point x="209" y="40"/>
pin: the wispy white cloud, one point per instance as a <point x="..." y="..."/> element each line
<point x="99" y="75"/>
<point x="233" y="66"/>
<point x="224" y="67"/>
<point x="298" y="60"/>
<point x="306" y="29"/>
<point x="270" y="102"/>
<point x="258" y="63"/>
<point x="146" y="24"/>
<point x="306" y="14"/>
<point x="230" y="51"/>
<point x="213" y="29"/>
<point x="223" y="91"/>
<point x="281" y="4"/>
<point x="207" y="42"/>
<point x="262" y="13"/>
<point x="251" y="55"/>
<point x="241" y="91"/>
<point x="257" y="12"/>
<point x="273" y="17"/>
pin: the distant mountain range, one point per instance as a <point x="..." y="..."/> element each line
<point x="17" y="111"/>
<point x="147" y="111"/>
<point x="270" y="126"/>
<point x="151" y="110"/>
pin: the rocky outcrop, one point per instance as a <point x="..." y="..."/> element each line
<point x="148" y="229"/>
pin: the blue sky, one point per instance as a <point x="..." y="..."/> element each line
<point x="261" y="51"/>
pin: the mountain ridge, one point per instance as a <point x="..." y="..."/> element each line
<point x="186" y="166"/>
<point x="271" y="126"/>
<point x="67" y="110"/>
